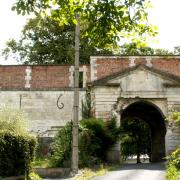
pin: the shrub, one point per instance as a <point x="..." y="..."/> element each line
<point x="61" y="147"/>
<point x="173" y="166"/>
<point x="87" y="106"/>
<point x="34" y="176"/>
<point x="96" y="137"/>
<point x="17" y="147"/>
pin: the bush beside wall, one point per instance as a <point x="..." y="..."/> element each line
<point x="173" y="166"/>
<point x="16" y="154"/>
<point x="96" y="137"/>
<point x="17" y="146"/>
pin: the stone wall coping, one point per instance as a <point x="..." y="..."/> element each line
<point x="41" y="89"/>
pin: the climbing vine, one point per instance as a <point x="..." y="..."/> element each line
<point x="174" y="118"/>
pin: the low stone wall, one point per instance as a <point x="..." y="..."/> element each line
<point x="53" y="172"/>
<point x="15" y="178"/>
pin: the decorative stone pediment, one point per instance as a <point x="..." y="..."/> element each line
<point x="140" y="78"/>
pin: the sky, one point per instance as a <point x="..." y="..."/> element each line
<point x="165" y="14"/>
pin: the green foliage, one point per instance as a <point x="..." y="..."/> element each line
<point x="12" y="120"/>
<point x="61" y="147"/>
<point x="135" y="139"/>
<point x="17" y="147"/>
<point x="44" y="41"/>
<point x="34" y="176"/>
<point x="174" y="158"/>
<point x="174" y="118"/>
<point x="141" y="49"/>
<point x="16" y="154"/>
<point x="15" y="140"/>
<point x="87" y="106"/>
<point x="41" y="162"/>
<point x="173" y="166"/>
<point x="107" y="22"/>
<point x="96" y="137"/>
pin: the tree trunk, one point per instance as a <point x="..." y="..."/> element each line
<point x="138" y="158"/>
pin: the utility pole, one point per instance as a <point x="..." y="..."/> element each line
<point x="76" y="101"/>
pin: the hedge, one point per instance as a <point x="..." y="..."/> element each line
<point x="17" y="146"/>
<point x="16" y="153"/>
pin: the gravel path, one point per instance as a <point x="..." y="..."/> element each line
<point x="155" y="171"/>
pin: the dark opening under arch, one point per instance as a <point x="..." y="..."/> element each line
<point x="152" y="115"/>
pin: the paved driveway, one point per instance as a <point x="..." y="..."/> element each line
<point x="154" y="171"/>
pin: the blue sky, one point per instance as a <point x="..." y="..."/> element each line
<point x="165" y="14"/>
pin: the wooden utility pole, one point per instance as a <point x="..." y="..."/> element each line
<point x="76" y="101"/>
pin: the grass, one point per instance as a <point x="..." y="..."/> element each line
<point x="85" y="174"/>
<point x="41" y="162"/>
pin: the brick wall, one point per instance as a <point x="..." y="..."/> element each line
<point x="57" y="76"/>
<point x="109" y="65"/>
<point x="170" y="65"/>
<point x="36" y="77"/>
<point x="12" y="77"/>
<point x="50" y="77"/>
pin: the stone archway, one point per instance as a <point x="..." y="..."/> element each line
<point x="152" y="115"/>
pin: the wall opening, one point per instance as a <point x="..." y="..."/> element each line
<point x="135" y="140"/>
<point x="153" y="116"/>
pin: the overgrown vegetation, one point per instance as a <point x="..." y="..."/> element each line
<point x="173" y="166"/>
<point x="17" y="146"/>
<point x="174" y="118"/>
<point x="87" y="106"/>
<point x="135" y="139"/>
<point x="95" y="139"/>
<point x="61" y="148"/>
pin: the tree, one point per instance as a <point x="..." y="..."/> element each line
<point x="43" y="41"/>
<point x="177" y="50"/>
<point x="50" y="39"/>
<point x="135" y="49"/>
<point x="106" y="21"/>
<point x="142" y="49"/>
<point x="135" y="138"/>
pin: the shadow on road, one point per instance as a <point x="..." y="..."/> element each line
<point x="145" y="166"/>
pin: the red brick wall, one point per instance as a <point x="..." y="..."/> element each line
<point x="169" y="65"/>
<point x="108" y="66"/>
<point x="12" y="77"/>
<point x="57" y="76"/>
<point x="42" y="77"/>
<point x="88" y="74"/>
<point x="50" y="77"/>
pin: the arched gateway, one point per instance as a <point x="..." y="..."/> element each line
<point x="153" y="116"/>
<point x="143" y="88"/>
